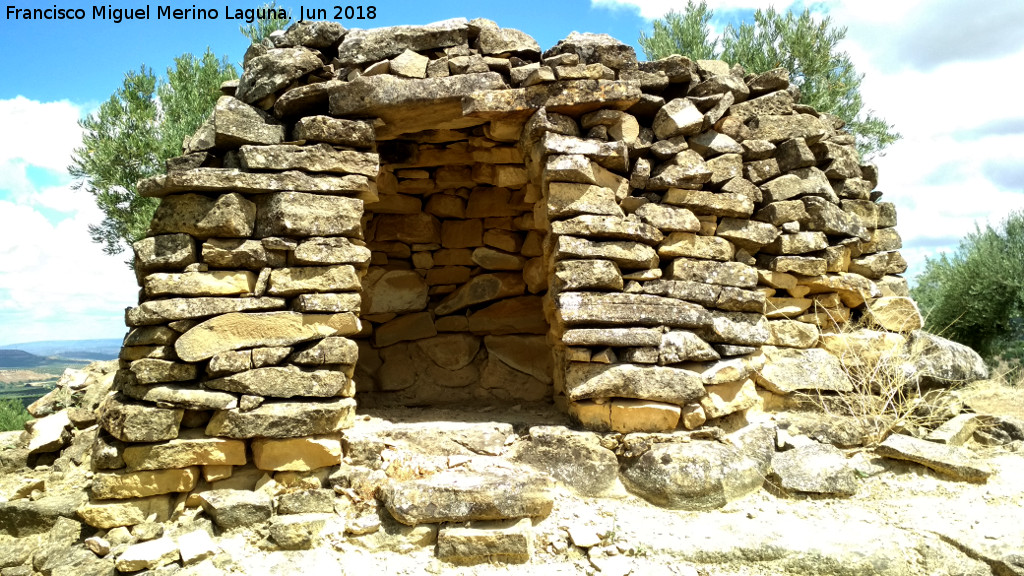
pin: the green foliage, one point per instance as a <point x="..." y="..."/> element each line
<point x="13" y="415"/>
<point x="131" y="135"/>
<point x="976" y="295"/>
<point x="684" y="33"/>
<point x="262" y="28"/>
<point x="807" y="47"/>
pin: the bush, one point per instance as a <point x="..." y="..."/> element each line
<point x="976" y="295"/>
<point x="13" y="415"/>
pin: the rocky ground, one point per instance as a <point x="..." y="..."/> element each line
<point x="897" y="517"/>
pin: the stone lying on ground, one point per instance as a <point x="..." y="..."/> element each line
<point x="506" y="541"/>
<point x="237" y="508"/>
<point x="460" y="495"/>
<point x="954" y="461"/>
<point x="936" y="361"/>
<point x="813" y="469"/>
<point x="575" y="459"/>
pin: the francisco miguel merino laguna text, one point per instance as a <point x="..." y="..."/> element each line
<point x="116" y="15"/>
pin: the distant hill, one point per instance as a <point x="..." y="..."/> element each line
<point x="101" y="349"/>
<point x="20" y="359"/>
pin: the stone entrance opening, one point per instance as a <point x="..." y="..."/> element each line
<point x="452" y="299"/>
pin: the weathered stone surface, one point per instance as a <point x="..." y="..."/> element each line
<point x="747" y="234"/>
<point x="319" y="279"/>
<point x="144" y="483"/>
<point x="406" y="327"/>
<point x="627" y="254"/>
<point x="232" y="180"/>
<point x="483" y="288"/>
<point x="575" y="459"/>
<point x="164" y="252"/>
<point x="190" y="448"/>
<point x="690" y="245"/>
<point x="230" y="216"/>
<point x="706" y="202"/>
<point x="460" y="495"/>
<point x="235" y="253"/>
<point x="936" y="361"/>
<point x="300" y="214"/>
<point x="235" y="331"/>
<point x="612" y="337"/>
<point x="685" y="170"/>
<point x="284" y="419"/>
<point x="365" y="46"/>
<point x="679" y="117"/>
<point x="792" y="369"/>
<point x="297" y="531"/>
<point x="776" y="128"/>
<point x="660" y="383"/>
<point x="630" y="415"/>
<point x="237" y="508"/>
<point x="133" y="422"/>
<point x="357" y="133"/>
<point x="266" y="74"/>
<point x="605" y="227"/>
<point x="586" y="275"/>
<point x="172" y="309"/>
<point x="611" y="155"/>
<point x="569" y="199"/>
<point x="632" y="309"/>
<point x="693" y="476"/>
<point x="398" y="291"/>
<point x="284" y="382"/>
<point x="49" y="434"/>
<point x="312" y="158"/>
<point x="668" y="218"/>
<point x="954" y="461"/>
<point x="895" y="313"/>
<point x="149" y="554"/>
<point x="220" y="283"/>
<point x="486" y="541"/>
<point x="679" y="346"/>
<point x="728" y="398"/>
<point x="181" y="396"/>
<point x="813" y="469"/>
<point x="296" y="454"/>
<point x="196" y="546"/>
<point x="331" y="350"/>
<point x="721" y="273"/>
<point x="336" y="250"/>
<point x="235" y="123"/>
<point x="111" y="514"/>
<point x="739" y="328"/>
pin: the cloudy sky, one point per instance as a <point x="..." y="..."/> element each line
<point x="943" y="71"/>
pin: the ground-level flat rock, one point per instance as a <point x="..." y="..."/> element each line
<point x="284" y="419"/>
<point x="190" y="448"/>
<point x="814" y="469"/>
<point x="955" y="461"/>
<point x="172" y="309"/>
<point x="575" y="459"/>
<point x="113" y="513"/>
<point x="237" y="508"/>
<point x="698" y="475"/>
<point x="229" y="179"/>
<point x="661" y="383"/>
<point x="284" y="382"/>
<point x="506" y="541"/>
<point x="791" y="369"/>
<point x="149" y="554"/>
<point x="460" y="495"/>
<point x="576" y="308"/>
<point x="235" y="331"/>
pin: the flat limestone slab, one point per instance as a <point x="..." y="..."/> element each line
<point x="231" y="180"/>
<point x="955" y="461"/>
<point x="462" y="495"/>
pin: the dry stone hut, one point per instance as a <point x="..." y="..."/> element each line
<point x="445" y="214"/>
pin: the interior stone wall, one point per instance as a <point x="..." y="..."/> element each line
<point x="442" y="214"/>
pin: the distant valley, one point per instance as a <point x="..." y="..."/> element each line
<point x="29" y="370"/>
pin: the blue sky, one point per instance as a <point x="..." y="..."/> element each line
<point x="961" y="161"/>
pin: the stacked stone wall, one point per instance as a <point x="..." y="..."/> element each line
<point x="443" y="214"/>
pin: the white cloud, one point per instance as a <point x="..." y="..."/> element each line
<point x="55" y="283"/>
